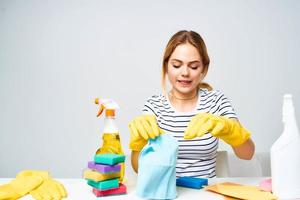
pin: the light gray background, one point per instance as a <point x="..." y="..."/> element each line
<point x="56" y="56"/>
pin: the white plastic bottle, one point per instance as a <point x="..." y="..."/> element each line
<point x="285" y="155"/>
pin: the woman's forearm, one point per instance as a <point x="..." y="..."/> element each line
<point x="134" y="160"/>
<point x="245" y="151"/>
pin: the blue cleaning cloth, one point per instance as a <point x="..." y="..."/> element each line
<point x="191" y="182"/>
<point x="157" y="168"/>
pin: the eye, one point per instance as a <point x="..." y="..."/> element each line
<point x="194" y="67"/>
<point x="176" y="66"/>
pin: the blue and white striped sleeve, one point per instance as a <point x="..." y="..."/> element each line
<point x="223" y="107"/>
<point x="149" y="107"/>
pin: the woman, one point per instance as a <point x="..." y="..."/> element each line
<point x="191" y="111"/>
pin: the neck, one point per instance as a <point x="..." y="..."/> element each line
<point x="183" y="103"/>
<point x="187" y="97"/>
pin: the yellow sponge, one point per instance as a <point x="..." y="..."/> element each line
<point x="96" y="176"/>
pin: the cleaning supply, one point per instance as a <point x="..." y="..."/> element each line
<point x="111" y="138"/>
<point x="104" y="185"/>
<point x="96" y="176"/>
<point x="285" y="155"/>
<point x="266" y="185"/>
<point x="19" y="187"/>
<point x="229" y="130"/>
<point x="105" y="174"/>
<point x="191" y="182"/>
<point x="49" y="189"/>
<point x="141" y="129"/>
<point x="109" y="159"/>
<point x="115" y="191"/>
<point x="157" y="168"/>
<point x="238" y="191"/>
<point x="104" y="168"/>
<point x="35" y="182"/>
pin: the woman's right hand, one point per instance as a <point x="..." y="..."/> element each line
<point x="141" y="129"/>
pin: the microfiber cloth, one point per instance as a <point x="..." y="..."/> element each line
<point x="157" y="168"/>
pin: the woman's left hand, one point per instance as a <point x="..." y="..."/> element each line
<point x="229" y="130"/>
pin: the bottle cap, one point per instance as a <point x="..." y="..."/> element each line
<point x="109" y="113"/>
<point x="108" y="105"/>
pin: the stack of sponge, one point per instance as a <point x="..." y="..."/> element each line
<point x="104" y="173"/>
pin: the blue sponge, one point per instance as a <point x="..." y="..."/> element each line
<point x="191" y="182"/>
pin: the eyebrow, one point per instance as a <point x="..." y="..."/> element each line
<point x="195" y="61"/>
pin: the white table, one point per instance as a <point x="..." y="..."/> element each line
<point x="79" y="190"/>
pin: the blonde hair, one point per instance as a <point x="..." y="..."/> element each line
<point x="183" y="37"/>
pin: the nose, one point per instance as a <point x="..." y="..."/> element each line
<point x="185" y="70"/>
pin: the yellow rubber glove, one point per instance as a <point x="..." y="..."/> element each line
<point x="49" y="189"/>
<point x="141" y="129"/>
<point x="20" y="186"/>
<point x="25" y="173"/>
<point x="229" y="130"/>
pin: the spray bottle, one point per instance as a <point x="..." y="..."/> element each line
<point x="111" y="138"/>
<point x="285" y="155"/>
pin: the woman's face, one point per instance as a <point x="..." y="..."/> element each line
<point x="185" y="69"/>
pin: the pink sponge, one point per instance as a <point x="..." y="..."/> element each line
<point x="115" y="191"/>
<point x="266" y="185"/>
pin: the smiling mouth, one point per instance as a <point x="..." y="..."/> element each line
<point x="184" y="81"/>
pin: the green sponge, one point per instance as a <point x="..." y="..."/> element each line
<point x="109" y="159"/>
<point x="105" y="185"/>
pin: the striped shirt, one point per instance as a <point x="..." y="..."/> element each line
<point x="196" y="157"/>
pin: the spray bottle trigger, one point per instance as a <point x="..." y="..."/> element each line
<point x="101" y="107"/>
